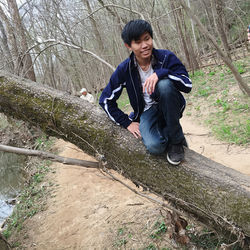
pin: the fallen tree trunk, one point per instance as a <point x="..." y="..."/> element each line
<point x="217" y="195"/>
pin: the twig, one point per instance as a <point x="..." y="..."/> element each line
<point x="85" y="142"/>
<point x="197" y="134"/>
<point x="135" y="204"/>
<point x="219" y="144"/>
<point x="169" y="12"/>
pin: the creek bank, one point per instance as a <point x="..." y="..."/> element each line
<point x="17" y="133"/>
<point x="15" y="170"/>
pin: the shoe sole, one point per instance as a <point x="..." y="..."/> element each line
<point x="173" y="162"/>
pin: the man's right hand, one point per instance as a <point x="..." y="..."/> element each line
<point x="134" y="129"/>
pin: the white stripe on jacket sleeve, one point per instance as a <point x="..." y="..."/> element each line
<point x="189" y="85"/>
<point x="110" y="98"/>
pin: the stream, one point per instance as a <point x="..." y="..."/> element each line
<point x="11" y="181"/>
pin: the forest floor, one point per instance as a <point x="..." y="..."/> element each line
<point x="86" y="209"/>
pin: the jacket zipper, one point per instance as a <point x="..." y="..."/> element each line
<point x="138" y="108"/>
<point x="134" y="90"/>
<point x="163" y="61"/>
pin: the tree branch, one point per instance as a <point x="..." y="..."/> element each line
<point x="111" y="5"/>
<point x="55" y="42"/>
<point x="49" y="156"/>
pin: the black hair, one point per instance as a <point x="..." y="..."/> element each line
<point x="134" y="29"/>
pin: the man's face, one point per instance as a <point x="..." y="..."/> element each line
<point x="142" y="47"/>
<point x="84" y="93"/>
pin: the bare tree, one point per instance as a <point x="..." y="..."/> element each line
<point x="94" y="24"/>
<point x="177" y="16"/>
<point x="218" y="7"/>
<point x="5" y="47"/>
<point x="193" y="30"/>
<point x="243" y="86"/>
<point x="11" y="40"/>
<point x="25" y="66"/>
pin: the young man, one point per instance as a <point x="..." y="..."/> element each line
<point x="153" y="79"/>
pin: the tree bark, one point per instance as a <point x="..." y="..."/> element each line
<point x="217" y="195"/>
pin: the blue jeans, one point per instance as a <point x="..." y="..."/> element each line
<point x="159" y="125"/>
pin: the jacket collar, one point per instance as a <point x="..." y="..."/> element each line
<point x="154" y="59"/>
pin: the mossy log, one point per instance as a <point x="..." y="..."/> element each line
<point x="218" y="195"/>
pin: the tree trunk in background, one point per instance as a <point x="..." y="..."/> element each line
<point x="6" y="49"/>
<point x="192" y="55"/>
<point x="94" y="24"/>
<point x="218" y="195"/>
<point x="177" y="15"/>
<point x="193" y="30"/>
<point x="25" y="67"/>
<point x="119" y="19"/>
<point x="11" y="41"/>
<point x="218" y="7"/>
<point x="51" y="72"/>
<point x="243" y="31"/>
<point x="209" y="15"/>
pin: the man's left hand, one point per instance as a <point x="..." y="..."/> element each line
<point x="150" y="83"/>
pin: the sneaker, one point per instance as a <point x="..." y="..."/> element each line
<point x="175" y="153"/>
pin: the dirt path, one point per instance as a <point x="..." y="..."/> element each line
<point x="200" y="140"/>
<point x="88" y="210"/>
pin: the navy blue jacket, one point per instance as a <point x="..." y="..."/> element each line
<point x="165" y="64"/>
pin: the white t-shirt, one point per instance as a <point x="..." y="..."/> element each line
<point x="144" y="75"/>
